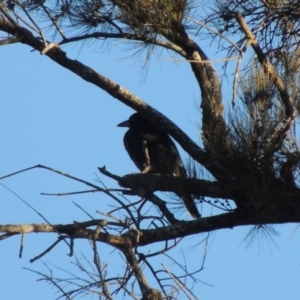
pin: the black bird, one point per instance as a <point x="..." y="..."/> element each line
<point x="153" y="151"/>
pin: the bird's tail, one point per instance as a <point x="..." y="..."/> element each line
<point x="190" y="206"/>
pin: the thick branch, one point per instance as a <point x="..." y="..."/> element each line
<point x="197" y="187"/>
<point x="146" y="290"/>
<point x="209" y="224"/>
<point x="77" y="230"/>
<point x="288" y="213"/>
<point x="213" y="125"/>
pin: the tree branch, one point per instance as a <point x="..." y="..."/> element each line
<point x="196" y="187"/>
<point x="213" y="125"/>
<point x="181" y="229"/>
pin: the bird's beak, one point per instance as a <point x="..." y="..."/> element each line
<point x="124" y="124"/>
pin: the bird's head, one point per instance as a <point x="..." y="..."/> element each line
<point x="136" y="121"/>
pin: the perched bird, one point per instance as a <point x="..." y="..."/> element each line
<point x="153" y="151"/>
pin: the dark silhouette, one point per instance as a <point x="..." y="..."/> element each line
<point x="153" y="151"/>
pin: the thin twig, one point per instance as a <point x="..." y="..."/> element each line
<point x="54" y="22"/>
<point x="21" y="245"/>
<point x="48" y="249"/>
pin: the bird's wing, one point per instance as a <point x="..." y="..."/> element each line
<point x="164" y="157"/>
<point x="134" y="146"/>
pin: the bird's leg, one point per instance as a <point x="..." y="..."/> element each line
<point x="147" y="158"/>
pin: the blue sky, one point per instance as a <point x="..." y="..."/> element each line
<point x="50" y="116"/>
